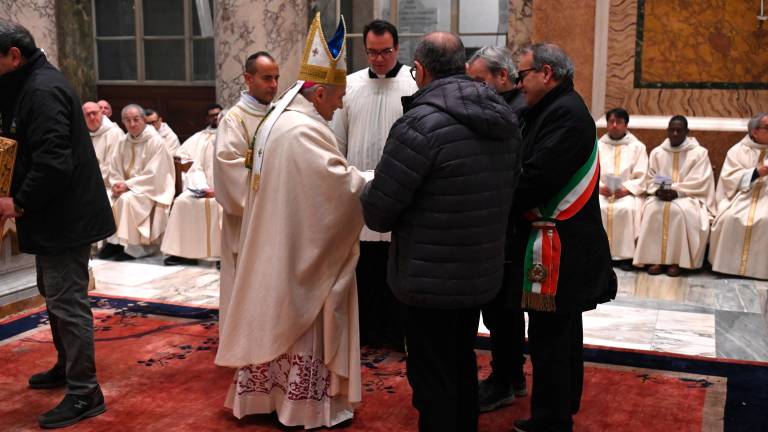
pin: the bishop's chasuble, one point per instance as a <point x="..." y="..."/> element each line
<point x="740" y="231"/>
<point x="194" y="228"/>
<point x="626" y="160"/>
<point x="676" y="232"/>
<point x="236" y="129"/>
<point x="292" y="326"/>
<point x="146" y="166"/>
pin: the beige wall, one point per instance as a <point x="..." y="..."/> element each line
<point x="39" y="17"/>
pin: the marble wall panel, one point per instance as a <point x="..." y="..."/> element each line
<point x="572" y="26"/>
<point x="620" y="89"/>
<point x="246" y="26"/>
<point x="520" y="24"/>
<point x="39" y="17"/>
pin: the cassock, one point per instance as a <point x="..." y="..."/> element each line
<point x="292" y="319"/>
<point x="169" y="137"/>
<point x="371" y="106"/>
<point x="194" y="227"/>
<point x="740" y="231"/>
<point x="105" y="140"/>
<point x="146" y="166"/>
<point x="236" y="129"/>
<point x="623" y="162"/>
<point x="676" y="232"/>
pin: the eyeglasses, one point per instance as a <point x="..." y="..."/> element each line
<point x="386" y="52"/>
<point x="413" y="72"/>
<point x="522" y="74"/>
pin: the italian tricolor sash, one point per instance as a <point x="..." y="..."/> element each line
<point x="542" y="255"/>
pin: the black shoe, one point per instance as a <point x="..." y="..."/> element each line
<point x="218" y="265"/>
<point x="109" y="250"/>
<point x="525" y="426"/>
<point x="122" y="256"/>
<point x="73" y="409"/>
<point x="626" y="265"/>
<point x="47" y="380"/>
<point x="493" y="395"/>
<point x="172" y="260"/>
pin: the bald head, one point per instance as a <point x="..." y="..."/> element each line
<point x="106" y="108"/>
<point x="93" y="115"/>
<point x="438" y="55"/>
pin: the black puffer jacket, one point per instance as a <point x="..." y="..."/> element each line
<point x="56" y="179"/>
<point x="444" y="187"/>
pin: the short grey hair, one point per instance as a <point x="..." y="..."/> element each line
<point x="130" y="107"/>
<point x="496" y="59"/>
<point x="550" y="54"/>
<point x="754" y="122"/>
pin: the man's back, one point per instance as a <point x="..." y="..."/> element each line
<point x="444" y="187"/>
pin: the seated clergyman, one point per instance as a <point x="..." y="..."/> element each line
<point x="142" y="178"/>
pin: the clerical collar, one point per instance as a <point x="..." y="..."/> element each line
<point x="391" y="74"/>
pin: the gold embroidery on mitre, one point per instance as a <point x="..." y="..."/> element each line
<point x="325" y="68"/>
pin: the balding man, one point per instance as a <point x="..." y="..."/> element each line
<point x="740" y="230"/>
<point x="106" y="136"/>
<point x="443" y="188"/>
<point x="141" y="175"/>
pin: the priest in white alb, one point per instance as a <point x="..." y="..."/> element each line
<point x="105" y="135"/>
<point x="740" y="231"/>
<point x="169" y="137"/>
<point x="235" y="133"/>
<point x="194" y="227"/>
<point x="142" y="178"/>
<point x="371" y="106"/>
<point x="291" y="329"/>
<point x="623" y="165"/>
<point x="675" y="220"/>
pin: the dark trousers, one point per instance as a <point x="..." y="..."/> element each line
<point x="556" y="346"/>
<point x="507" y="326"/>
<point x="63" y="280"/>
<point x="381" y="315"/>
<point x="442" y="368"/>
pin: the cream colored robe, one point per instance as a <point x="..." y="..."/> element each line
<point x="626" y="158"/>
<point x="371" y="106"/>
<point x="146" y="166"/>
<point x="676" y="232"/>
<point x="169" y="137"/>
<point x="194" y="228"/>
<point x="105" y="140"/>
<point x="235" y="132"/>
<point x="190" y="150"/>
<point x="740" y="231"/>
<point x="299" y="248"/>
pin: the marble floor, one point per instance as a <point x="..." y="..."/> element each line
<point x="697" y="314"/>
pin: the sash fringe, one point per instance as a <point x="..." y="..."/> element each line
<point x="538" y="302"/>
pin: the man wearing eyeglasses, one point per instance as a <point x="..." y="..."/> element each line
<point x="153" y="119"/>
<point x="371" y="106"/>
<point x="561" y="261"/>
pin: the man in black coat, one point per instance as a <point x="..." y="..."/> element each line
<point x="561" y="262"/>
<point x="504" y="319"/>
<point x="60" y="206"/>
<point x="444" y="187"/>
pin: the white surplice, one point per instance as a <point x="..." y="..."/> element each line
<point x="676" y="232"/>
<point x="105" y="140"/>
<point x="234" y="134"/>
<point x="371" y="106"/>
<point x="169" y="137"/>
<point x="146" y="166"/>
<point x="740" y="231"/>
<point x="626" y="158"/>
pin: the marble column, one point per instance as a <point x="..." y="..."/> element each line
<point x="74" y="24"/>
<point x="39" y="17"/>
<point x="572" y="26"/>
<point x="246" y="26"/>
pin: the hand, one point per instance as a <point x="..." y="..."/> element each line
<point x="621" y="193"/>
<point x="209" y="193"/>
<point x="666" y="194"/>
<point x="604" y="191"/>
<point x="7" y="209"/>
<point x="762" y="170"/>
<point x="119" y="189"/>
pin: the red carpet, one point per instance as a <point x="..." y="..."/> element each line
<point x="157" y="374"/>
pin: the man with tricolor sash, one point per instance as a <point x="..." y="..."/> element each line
<point x="558" y="258"/>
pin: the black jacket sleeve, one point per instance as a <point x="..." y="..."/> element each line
<point x="554" y="156"/>
<point x="47" y="122"/>
<point x="405" y="163"/>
